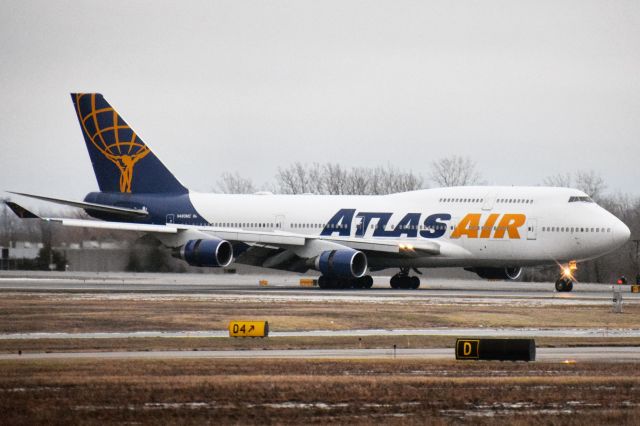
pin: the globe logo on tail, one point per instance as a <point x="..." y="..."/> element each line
<point x="111" y="136"/>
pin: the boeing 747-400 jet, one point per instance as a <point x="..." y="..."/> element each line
<point x="491" y="230"/>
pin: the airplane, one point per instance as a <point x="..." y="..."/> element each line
<point x="493" y="231"/>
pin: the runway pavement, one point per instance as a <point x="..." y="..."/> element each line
<point x="287" y="287"/>
<point x="601" y="354"/>
<point x="443" y="331"/>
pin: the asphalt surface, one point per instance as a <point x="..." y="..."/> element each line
<point x="602" y="353"/>
<point x="287" y="287"/>
<point x="444" y="331"/>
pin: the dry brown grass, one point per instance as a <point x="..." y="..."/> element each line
<point x="317" y="391"/>
<point x="47" y="313"/>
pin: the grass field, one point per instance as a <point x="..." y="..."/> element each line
<point x="65" y="313"/>
<point x="299" y="391"/>
<point x="294" y="391"/>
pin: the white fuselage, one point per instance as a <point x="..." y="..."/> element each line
<point x="474" y="226"/>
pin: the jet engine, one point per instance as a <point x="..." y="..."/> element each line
<point x="344" y="263"/>
<point x="212" y="252"/>
<point x="511" y="274"/>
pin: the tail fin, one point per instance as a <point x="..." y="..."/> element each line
<point x="121" y="160"/>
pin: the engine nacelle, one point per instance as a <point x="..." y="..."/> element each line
<point x="211" y="252"/>
<point x="344" y="263"/>
<point x="498" y="273"/>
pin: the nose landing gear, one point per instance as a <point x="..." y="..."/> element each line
<point x="404" y="281"/>
<point x="566" y="280"/>
<point x="564" y="284"/>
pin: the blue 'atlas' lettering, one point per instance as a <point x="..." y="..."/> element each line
<point x="340" y="223"/>
<point x="435" y="226"/>
<point x="408" y="226"/>
<point x="365" y="220"/>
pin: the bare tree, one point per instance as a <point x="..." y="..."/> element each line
<point x="332" y="178"/>
<point x="335" y="179"/>
<point x="455" y="171"/>
<point x="588" y="181"/>
<point x="294" y="179"/>
<point x="560" y="180"/>
<point x="591" y="183"/>
<point x="235" y="184"/>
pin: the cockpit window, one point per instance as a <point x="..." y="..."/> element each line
<point x="583" y="199"/>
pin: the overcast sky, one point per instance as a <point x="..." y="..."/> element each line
<point x="526" y="88"/>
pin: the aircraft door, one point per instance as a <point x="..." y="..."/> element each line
<point x="532" y="225"/>
<point x="489" y="200"/>
<point x="279" y="221"/>
<point x="170" y="218"/>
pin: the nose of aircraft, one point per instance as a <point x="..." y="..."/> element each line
<point x="620" y="233"/>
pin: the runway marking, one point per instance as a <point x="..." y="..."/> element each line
<point x="453" y="332"/>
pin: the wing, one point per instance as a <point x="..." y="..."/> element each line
<point x="271" y="249"/>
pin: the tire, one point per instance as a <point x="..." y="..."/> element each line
<point x="395" y="282"/>
<point x="368" y="281"/>
<point x="560" y="285"/>
<point x="358" y="283"/>
<point x="363" y="282"/>
<point x="323" y="282"/>
<point x="415" y="283"/>
<point x="569" y="286"/>
<point x="344" y="283"/>
<point x="405" y="282"/>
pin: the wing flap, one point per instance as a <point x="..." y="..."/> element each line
<point x="276" y="238"/>
<point x="118" y="226"/>
<point x="430" y="248"/>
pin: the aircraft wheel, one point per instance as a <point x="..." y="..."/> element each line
<point x="395" y="281"/>
<point x="414" y="282"/>
<point x="323" y="282"/>
<point x="367" y="281"/>
<point x="345" y="283"/>
<point x="564" y="285"/>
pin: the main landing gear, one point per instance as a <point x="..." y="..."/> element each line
<point x="345" y="283"/>
<point x="404" y="281"/>
<point x="566" y="280"/>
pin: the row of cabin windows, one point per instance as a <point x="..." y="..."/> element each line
<point x="573" y="229"/>
<point x="461" y="200"/>
<point x="246" y="225"/>
<point x="322" y="226"/>
<point x="481" y="200"/>
<point x="373" y="226"/>
<point x="514" y="200"/>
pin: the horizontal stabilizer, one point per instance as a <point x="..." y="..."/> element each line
<point x="20" y="211"/>
<point x="88" y="206"/>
